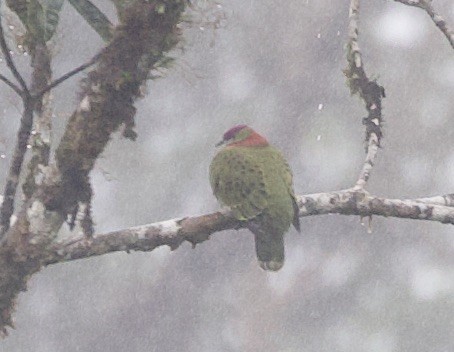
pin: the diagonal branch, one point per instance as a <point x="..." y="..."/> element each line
<point x="65" y="77"/>
<point x="9" y="61"/>
<point x="108" y="96"/>
<point x="11" y="85"/>
<point x="369" y="91"/>
<point x="198" y="229"/>
<point x="426" y="5"/>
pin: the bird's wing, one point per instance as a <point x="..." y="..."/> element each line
<point x="288" y="180"/>
<point x="237" y="181"/>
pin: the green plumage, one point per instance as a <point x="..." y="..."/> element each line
<point x="256" y="183"/>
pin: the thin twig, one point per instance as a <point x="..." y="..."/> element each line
<point x="369" y="91"/>
<point x="12" y="181"/>
<point x="436" y="18"/>
<point x="66" y="76"/>
<point x="372" y="149"/>
<point x="11" y="85"/>
<point x="41" y="135"/>
<point x="10" y="62"/>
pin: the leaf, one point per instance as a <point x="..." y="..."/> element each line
<point x="40" y="18"/>
<point x="35" y="21"/>
<point x="94" y="17"/>
<point x="20" y="8"/>
<point x="51" y="9"/>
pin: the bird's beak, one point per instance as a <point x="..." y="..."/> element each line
<point x="218" y="144"/>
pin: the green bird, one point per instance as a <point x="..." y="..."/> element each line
<point x="252" y="178"/>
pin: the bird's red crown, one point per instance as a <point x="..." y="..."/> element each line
<point x="233" y="131"/>
<point x="253" y="139"/>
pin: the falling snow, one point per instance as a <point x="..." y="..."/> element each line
<point x="270" y="66"/>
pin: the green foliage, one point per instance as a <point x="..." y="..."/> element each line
<point x="20" y="8"/>
<point x="40" y="18"/>
<point x="94" y="17"/>
<point x="51" y="16"/>
<point x="35" y="21"/>
<point x="161" y="8"/>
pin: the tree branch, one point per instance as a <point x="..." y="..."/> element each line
<point x="108" y="95"/>
<point x="10" y="62"/>
<point x="147" y="31"/>
<point x="198" y="229"/>
<point x="40" y="61"/>
<point x="369" y="91"/>
<point x="12" y="181"/>
<point x="11" y="85"/>
<point x="350" y="202"/>
<point x="41" y="136"/>
<point x="143" y="238"/>
<point x="66" y="76"/>
<point x="426" y="5"/>
<point x="445" y="200"/>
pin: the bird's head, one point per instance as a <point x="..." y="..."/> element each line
<point x="242" y="135"/>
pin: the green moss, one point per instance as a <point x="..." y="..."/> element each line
<point x="160" y="8"/>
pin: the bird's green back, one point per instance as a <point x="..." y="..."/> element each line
<point x="256" y="183"/>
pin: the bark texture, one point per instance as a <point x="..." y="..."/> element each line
<point x="148" y="30"/>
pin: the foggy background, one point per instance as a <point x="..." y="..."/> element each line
<point x="276" y="66"/>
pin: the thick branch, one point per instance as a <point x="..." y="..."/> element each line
<point x="360" y="203"/>
<point x="369" y="91"/>
<point x="147" y="31"/>
<point x="198" y="229"/>
<point x="108" y="96"/>
<point x="445" y="200"/>
<point x="426" y="5"/>
<point x="144" y="238"/>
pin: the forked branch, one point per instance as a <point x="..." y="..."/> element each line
<point x="369" y="91"/>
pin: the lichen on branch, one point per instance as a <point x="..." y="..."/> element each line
<point x="369" y="91"/>
<point x="147" y="31"/>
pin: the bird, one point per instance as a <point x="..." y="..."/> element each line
<point x="254" y="180"/>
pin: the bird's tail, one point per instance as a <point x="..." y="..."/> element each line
<point x="269" y="247"/>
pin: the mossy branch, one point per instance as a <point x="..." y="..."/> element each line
<point x="148" y="30"/>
